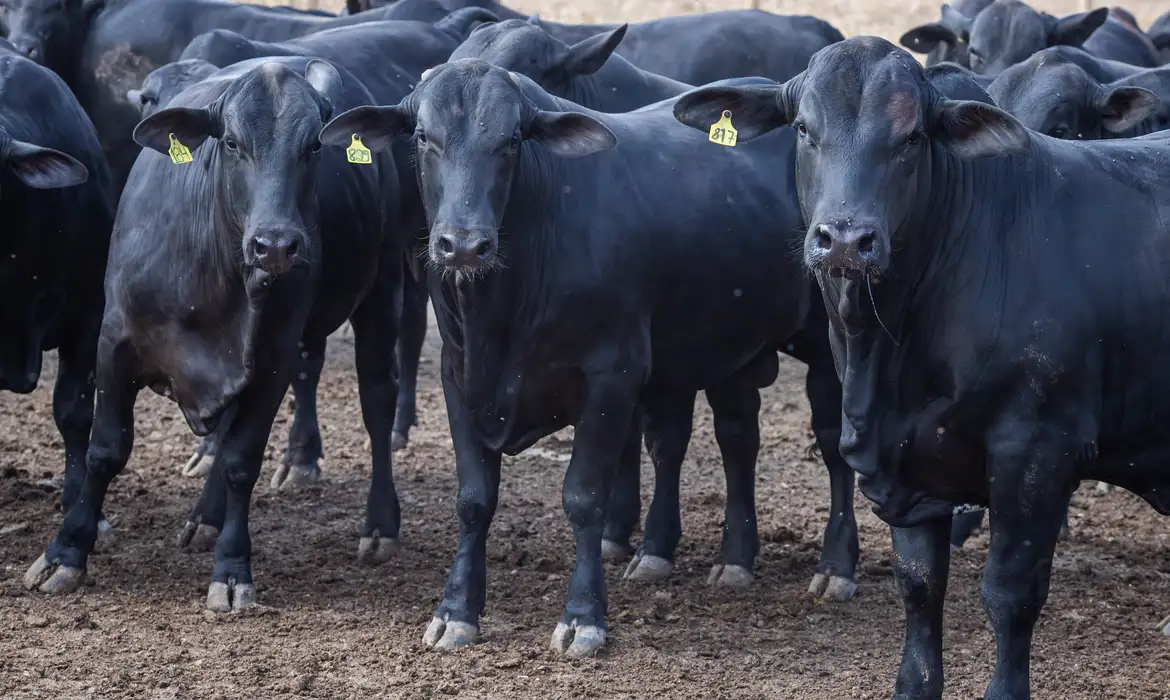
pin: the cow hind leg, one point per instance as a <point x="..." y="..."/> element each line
<point x="668" y="423"/>
<point x="198" y="465"/>
<point x="921" y="567"/>
<point x="834" y="577"/>
<point x="302" y="458"/>
<point x="205" y="521"/>
<point x="62" y="568"/>
<point x="412" y="333"/>
<point x="375" y="330"/>
<point x="625" y="499"/>
<point x="736" y="409"/>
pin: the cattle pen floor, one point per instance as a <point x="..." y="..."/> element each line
<point x="330" y="628"/>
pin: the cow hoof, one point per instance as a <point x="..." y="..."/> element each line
<point x="198" y="538"/>
<point x="105" y="538"/>
<point x="198" y="466"/>
<point x="647" y="568"/>
<point x="1164" y="626"/>
<point x="446" y="635"/>
<point x="398" y="441"/>
<point x="1102" y="487"/>
<point x="376" y="550"/>
<point x="290" y="477"/>
<point x="837" y="589"/>
<point x="577" y="642"/>
<point x="613" y="551"/>
<point x="731" y="576"/>
<point x="47" y="577"/>
<point x="222" y="597"/>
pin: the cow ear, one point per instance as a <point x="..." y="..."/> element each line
<point x="1075" y="29"/>
<point x="326" y="81"/>
<point x="43" y="168"/>
<point x="377" y="127"/>
<point x="589" y="55"/>
<point x="353" y="7"/>
<point x="569" y="134"/>
<point x="190" y="127"/>
<point x="927" y="37"/>
<point x="755" y="110"/>
<point x="958" y="22"/>
<point x="977" y="129"/>
<point x="1123" y="108"/>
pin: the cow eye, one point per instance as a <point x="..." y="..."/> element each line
<point x="420" y="137"/>
<point x="316" y="147"/>
<point x="801" y="129"/>
<point x="516" y="140"/>
<point x="913" y="139"/>
<point x="231" y="144"/>
<point x="1058" y="133"/>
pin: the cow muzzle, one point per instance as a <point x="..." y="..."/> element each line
<point x="29" y="48"/>
<point x="275" y="251"/>
<point x="463" y="249"/>
<point x="851" y="251"/>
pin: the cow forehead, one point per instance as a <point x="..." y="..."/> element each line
<point x="486" y="98"/>
<point x="268" y="94"/>
<point x="868" y="91"/>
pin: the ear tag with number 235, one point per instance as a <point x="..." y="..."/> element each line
<point x="722" y="132"/>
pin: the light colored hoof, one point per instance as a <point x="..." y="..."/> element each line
<point x="577" y="642"/>
<point x="198" y="466"/>
<point x="224" y="598"/>
<point x="1164" y="626"/>
<point x="376" y="550"/>
<point x="837" y="589"/>
<point x="398" y="441"/>
<point x="289" y="477"/>
<point x="105" y="538"/>
<point x="47" y="577"/>
<point x="612" y="551"/>
<point x="731" y="576"/>
<point x="647" y="568"/>
<point x="198" y="538"/>
<point x="445" y="635"/>
<point x="1102" y="487"/>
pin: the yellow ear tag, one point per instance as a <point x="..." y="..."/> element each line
<point x="179" y="153"/>
<point x="722" y="132"/>
<point x="357" y="152"/>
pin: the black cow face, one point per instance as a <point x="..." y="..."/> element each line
<point x="263" y="132"/>
<point x="469" y="121"/>
<point x="1007" y="32"/>
<point x="868" y="126"/>
<point x="163" y="83"/>
<point x="43" y="29"/>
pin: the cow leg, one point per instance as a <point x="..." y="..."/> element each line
<point x="203" y="525"/>
<point x="597" y="448"/>
<point x="669" y="419"/>
<point x="456" y="620"/>
<point x="375" y="330"/>
<point x="237" y="465"/>
<point x="625" y="499"/>
<point x="736" y="409"/>
<point x="73" y="412"/>
<point x="61" y="569"/>
<point x="1026" y="510"/>
<point x="412" y="333"/>
<point x="922" y="560"/>
<point x="834" y="578"/>
<point x="302" y="458"/>
<point x="199" y="464"/>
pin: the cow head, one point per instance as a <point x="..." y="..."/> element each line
<point x="470" y="123"/>
<point x="46" y="30"/>
<point x="262" y="136"/>
<point x="945" y="41"/>
<point x="1007" y="32"/>
<point x="869" y="127"/>
<point x="163" y="83"/>
<point x="1058" y="98"/>
<point x="516" y="45"/>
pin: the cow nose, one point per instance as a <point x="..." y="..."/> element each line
<point x="846" y="250"/>
<point x="275" y="252"/>
<point x="28" y="49"/>
<point x="465" y="248"/>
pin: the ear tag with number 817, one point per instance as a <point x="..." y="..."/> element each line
<point x="722" y="132"/>
<point x="357" y="152"/>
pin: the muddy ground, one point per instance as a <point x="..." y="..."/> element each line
<point x="330" y="628"/>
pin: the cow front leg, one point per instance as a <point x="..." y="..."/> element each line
<point x="205" y="521"/>
<point x="302" y="458"/>
<point x="668" y="423"/>
<point x="456" y="620"/>
<point x="412" y="334"/>
<point x="736" y="410"/>
<point x="598" y="442"/>
<point x="922" y="560"/>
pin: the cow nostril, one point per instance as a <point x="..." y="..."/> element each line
<point x="824" y="240"/>
<point x="865" y="243"/>
<point x="292" y="249"/>
<point x="483" y="248"/>
<point x="445" y="245"/>
<point x="260" y="246"/>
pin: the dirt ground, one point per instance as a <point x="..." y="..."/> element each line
<point x="330" y="628"/>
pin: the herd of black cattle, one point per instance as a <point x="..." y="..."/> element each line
<point x="199" y="192"/>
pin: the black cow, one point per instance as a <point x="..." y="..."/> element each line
<point x="590" y="75"/>
<point x="58" y="207"/>
<point x="218" y="268"/>
<point x="526" y="352"/>
<point x="403" y="50"/>
<point x="996" y="349"/>
<point x="1008" y="31"/>
<point x="1056" y="96"/>
<point x="945" y="41"/>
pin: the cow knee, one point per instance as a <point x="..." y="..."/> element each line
<point x="474" y="507"/>
<point x="584" y="507"/>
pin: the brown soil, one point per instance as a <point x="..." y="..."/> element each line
<point x="330" y="628"/>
